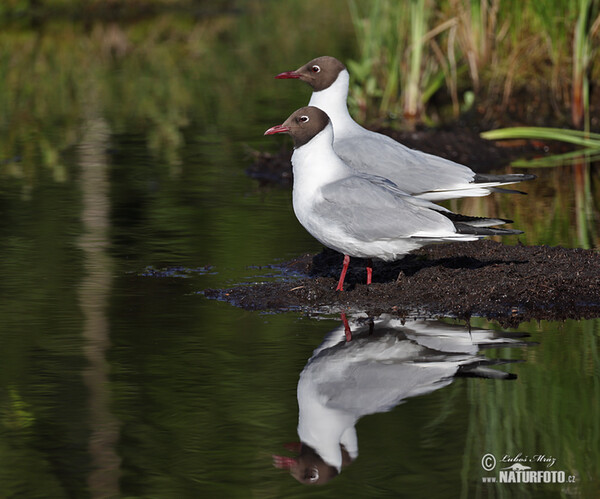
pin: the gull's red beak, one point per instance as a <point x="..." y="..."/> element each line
<point x="277" y="129"/>
<point x="287" y="75"/>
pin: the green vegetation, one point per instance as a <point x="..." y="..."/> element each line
<point x="488" y="48"/>
<point x="589" y="141"/>
<point x="577" y="171"/>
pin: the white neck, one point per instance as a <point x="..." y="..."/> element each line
<point x="332" y="100"/>
<point x="316" y="163"/>
<point x="324" y="428"/>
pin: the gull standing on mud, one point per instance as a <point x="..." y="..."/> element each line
<point x="361" y="215"/>
<point x="417" y="173"/>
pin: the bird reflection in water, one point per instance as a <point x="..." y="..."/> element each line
<point x="366" y="367"/>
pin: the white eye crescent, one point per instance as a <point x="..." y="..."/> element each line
<point x="304" y="119"/>
<point x="315" y="69"/>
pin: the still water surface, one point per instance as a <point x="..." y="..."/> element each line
<point x="119" y="379"/>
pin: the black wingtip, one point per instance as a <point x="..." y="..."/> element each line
<point x="481" y="178"/>
<point x="470" y="220"/>
<point x="463" y="228"/>
<point x="503" y="190"/>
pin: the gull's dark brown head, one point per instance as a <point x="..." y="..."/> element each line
<point x="320" y="73"/>
<point x="302" y="125"/>
<point x="308" y="467"/>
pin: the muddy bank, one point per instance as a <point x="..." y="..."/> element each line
<point x="509" y="284"/>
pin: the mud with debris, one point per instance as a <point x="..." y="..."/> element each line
<point x="510" y="284"/>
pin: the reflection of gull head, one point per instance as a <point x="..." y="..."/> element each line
<point x="381" y="367"/>
<point x="308" y="467"/>
<point x="517" y="467"/>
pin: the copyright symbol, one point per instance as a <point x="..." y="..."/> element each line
<point x="488" y="462"/>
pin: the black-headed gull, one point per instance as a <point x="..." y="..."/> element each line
<point x="420" y="174"/>
<point x="362" y="215"/>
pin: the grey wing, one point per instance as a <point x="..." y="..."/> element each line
<point x="393" y="188"/>
<point x="369" y="211"/>
<point x="370" y="386"/>
<point x="414" y="171"/>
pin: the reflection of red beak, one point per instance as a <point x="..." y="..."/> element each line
<point x="288" y="75"/>
<point x="277" y="129"/>
<point x="283" y="462"/>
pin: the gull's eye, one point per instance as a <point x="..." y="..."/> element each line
<point x="313" y="474"/>
<point x="304" y="119"/>
<point x="315" y="69"/>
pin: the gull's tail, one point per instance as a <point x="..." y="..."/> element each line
<point x="481" y="185"/>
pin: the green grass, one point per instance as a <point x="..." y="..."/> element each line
<point x="589" y="141"/>
<point x="406" y="47"/>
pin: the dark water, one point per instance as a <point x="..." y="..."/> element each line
<point x="119" y="379"/>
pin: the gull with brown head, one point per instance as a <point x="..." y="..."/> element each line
<point x="362" y="215"/>
<point x="419" y="174"/>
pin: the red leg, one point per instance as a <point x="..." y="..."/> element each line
<point x="369" y="270"/>
<point x="347" y="329"/>
<point x="340" y="286"/>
